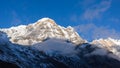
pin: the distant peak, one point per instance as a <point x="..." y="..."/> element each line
<point x="46" y="20"/>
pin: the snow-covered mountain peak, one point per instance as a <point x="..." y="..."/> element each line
<point x="41" y="30"/>
<point x="45" y="21"/>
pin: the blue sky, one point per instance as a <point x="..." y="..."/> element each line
<point x="92" y="19"/>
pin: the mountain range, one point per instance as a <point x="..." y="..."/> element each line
<point x="45" y="44"/>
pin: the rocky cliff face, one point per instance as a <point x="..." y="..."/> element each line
<point x="4" y="64"/>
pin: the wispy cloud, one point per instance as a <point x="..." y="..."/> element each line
<point x="15" y="19"/>
<point x="74" y="18"/>
<point x="91" y="31"/>
<point x="91" y="10"/>
<point x="95" y="11"/>
<point x="85" y="3"/>
<point x="115" y="20"/>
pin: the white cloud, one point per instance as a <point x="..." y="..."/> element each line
<point x="115" y="20"/>
<point x="91" y="10"/>
<point x="74" y="18"/>
<point x="95" y="11"/>
<point x="56" y="46"/>
<point x="85" y="3"/>
<point x="15" y="19"/>
<point x="91" y="31"/>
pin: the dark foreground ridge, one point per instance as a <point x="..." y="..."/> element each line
<point x="4" y="64"/>
<point x="24" y="56"/>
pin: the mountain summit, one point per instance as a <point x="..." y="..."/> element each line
<point x="47" y="20"/>
<point x="39" y="31"/>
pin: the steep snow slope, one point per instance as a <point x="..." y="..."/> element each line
<point x="41" y="30"/>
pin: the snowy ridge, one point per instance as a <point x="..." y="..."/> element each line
<point x="112" y="45"/>
<point x="107" y="42"/>
<point x="41" y="30"/>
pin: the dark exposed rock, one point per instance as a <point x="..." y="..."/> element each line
<point x="4" y="64"/>
<point x="31" y="57"/>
